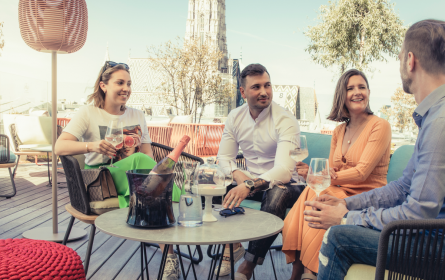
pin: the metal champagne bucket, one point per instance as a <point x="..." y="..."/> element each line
<point x="150" y="199"/>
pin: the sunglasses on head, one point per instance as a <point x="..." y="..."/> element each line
<point x="230" y="212"/>
<point x="110" y="64"/>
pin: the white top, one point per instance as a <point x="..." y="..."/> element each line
<point x="90" y="125"/>
<point x="265" y="142"/>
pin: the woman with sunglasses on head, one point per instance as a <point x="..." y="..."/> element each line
<point x="85" y="134"/>
<point x="359" y="160"/>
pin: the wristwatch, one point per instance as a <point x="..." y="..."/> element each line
<point x="250" y="185"/>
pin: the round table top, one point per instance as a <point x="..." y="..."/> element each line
<point x="47" y="149"/>
<point x="252" y="225"/>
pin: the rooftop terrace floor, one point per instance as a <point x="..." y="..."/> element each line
<point x="112" y="257"/>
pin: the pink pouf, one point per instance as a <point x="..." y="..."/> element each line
<point x="27" y="259"/>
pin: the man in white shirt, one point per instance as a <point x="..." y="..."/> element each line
<point x="263" y="130"/>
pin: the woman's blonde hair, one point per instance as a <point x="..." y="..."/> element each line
<point x="339" y="111"/>
<point x="97" y="98"/>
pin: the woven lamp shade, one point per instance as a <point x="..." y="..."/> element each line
<point x="54" y="25"/>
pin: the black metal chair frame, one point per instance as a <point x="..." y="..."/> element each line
<point x="4" y="159"/>
<point x="414" y="252"/>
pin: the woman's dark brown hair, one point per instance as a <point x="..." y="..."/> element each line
<point x="339" y="112"/>
<point x="97" y="98"/>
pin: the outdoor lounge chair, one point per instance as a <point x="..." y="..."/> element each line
<point x="5" y="163"/>
<point x="25" y="139"/>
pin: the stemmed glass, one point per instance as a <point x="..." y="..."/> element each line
<point x="298" y="151"/>
<point x="228" y="179"/>
<point x="114" y="135"/>
<point x="318" y="177"/>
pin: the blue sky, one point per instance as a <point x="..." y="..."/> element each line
<point x="268" y="32"/>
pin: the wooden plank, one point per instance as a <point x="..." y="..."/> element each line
<point x="102" y="254"/>
<point x="117" y="261"/>
<point x="38" y="221"/>
<point x="28" y="208"/>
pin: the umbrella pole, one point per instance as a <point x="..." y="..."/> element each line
<point x="44" y="233"/>
<point x="54" y="136"/>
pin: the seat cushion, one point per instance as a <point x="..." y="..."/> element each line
<point x="12" y="156"/>
<point x="362" y="272"/>
<point x="33" y="129"/>
<point x="106" y="205"/>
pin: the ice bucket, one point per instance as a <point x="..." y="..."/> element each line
<point x="150" y="199"/>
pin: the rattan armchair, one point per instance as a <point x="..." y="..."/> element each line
<point x="4" y="163"/>
<point x="79" y="206"/>
<point x="415" y="248"/>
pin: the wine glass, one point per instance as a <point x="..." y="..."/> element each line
<point x="298" y="151"/>
<point x="189" y="169"/>
<point x="318" y="177"/>
<point x="114" y="135"/>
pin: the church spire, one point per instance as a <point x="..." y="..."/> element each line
<point x="207" y="21"/>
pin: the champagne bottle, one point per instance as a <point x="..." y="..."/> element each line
<point x="167" y="164"/>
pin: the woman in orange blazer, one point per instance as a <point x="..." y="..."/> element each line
<point x="359" y="160"/>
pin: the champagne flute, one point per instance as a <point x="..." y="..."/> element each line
<point x="114" y="135"/>
<point x="318" y="177"/>
<point x="298" y="151"/>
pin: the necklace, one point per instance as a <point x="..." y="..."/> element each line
<point x="350" y="139"/>
<point x="358" y="128"/>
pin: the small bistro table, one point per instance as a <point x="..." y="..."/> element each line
<point x="252" y="225"/>
<point x="49" y="149"/>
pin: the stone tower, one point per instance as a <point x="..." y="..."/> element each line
<point x="207" y="21"/>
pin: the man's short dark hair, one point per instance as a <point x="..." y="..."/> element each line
<point x="426" y="40"/>
<point x="255" y="69"/>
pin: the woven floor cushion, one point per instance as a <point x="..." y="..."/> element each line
<point x="28" y="259"/>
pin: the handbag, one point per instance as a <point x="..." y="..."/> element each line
<point x="99" y="183"/>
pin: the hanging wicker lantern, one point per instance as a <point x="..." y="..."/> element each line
<point x="54" y="25"/>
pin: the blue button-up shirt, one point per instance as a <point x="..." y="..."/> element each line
<point x="420" y="192"/>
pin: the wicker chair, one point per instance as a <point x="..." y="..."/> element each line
<point x="414" y="254"/>
<point x="4" y="163"/>
<point x="79" y="208"/>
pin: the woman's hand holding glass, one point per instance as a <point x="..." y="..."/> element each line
<point x="102" y="147"/>
<point x="114" y="135"/>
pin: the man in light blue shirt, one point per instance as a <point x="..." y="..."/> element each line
<point x="420" y="192"/>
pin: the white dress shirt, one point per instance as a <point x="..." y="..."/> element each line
<point x="265" y="142"/>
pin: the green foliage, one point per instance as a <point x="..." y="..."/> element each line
<point x="402" y="109"/>
<point x="2" y="42"/>
<point x="190" y="78"/>
<point x="354" y="33"/>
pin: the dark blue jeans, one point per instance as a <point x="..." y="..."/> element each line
<point x="345" y="245"/>
<point x="274" y="201"/>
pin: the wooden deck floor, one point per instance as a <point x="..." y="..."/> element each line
<point x="112" y="257"/>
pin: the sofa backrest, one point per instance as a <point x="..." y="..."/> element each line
<point x="33" y="129"/>
<point x="319" y="145"/>
<point x="399" y="160"/>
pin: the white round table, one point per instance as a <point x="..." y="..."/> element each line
<point x="252" y="225"/>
